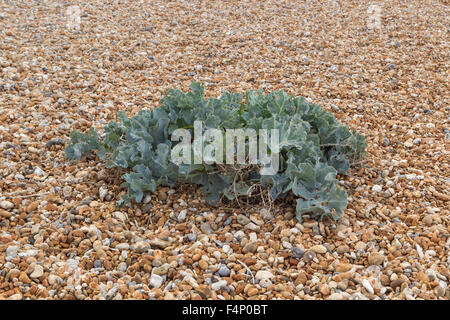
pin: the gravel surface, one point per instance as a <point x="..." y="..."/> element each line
<point x="61" y="234"/>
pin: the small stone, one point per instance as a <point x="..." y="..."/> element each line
<point x="243" y="220"/>
<point x="120" y="216"/>
<point x="263" y="275"/>
<point x="38" y="272"/>
<point x="67" y="192"/>
<point x="158" y="243"/>
<point x="239" y="235"/>
<point x="256" y="220"/>
<point x="6" y="205"/>
<point x="377" y="188"/>
<point x="111" y="292"/>
<point x="396" y="283"/>
<point x="53" y="142"/>
<point x="5" y="214"/>
<point x="419" y="251"/>
<point x="102" y="192"/>
<point x="123" y="246"/>
<point x="324" y="290"/>
<point x="343" y="249"/>
<point x="366" y="284"/>
<point x="52" y="279"/>
<point x="156" y="281"/>
<point x="206" y="228"/>
<point x="224" y="271"/>
<point x="375" y="259"/>
<point x="161" y="270"/>
<point x="302" y="278"/>
<point x="98" y="264"/>
<point x="97" y="245"/>
<point x="266" y="214"/>
<point x="384" y="279"/>
<point x="297" y="252"/>
<point x="428" y="220"/>
<point x="141" y="246"/>
<point x="205" y="291"/>
<point x="162" y="196"/>
<point x="11" y="251"/>
<point x="182" y="215"/>
<point x="252" y="292"/>
<point x="216" y="286"/>
<point x="319" y="249"/>
<point x="309" y="256"/>
<point x="39" y="172"/>
<point x="122" y="267"/>
<point x="16" y="296"/>
<point x="203" y="264"/>
<point x="250" y="247"/>
<point x="252" y="226"/>
<point x="335" y="296"/>
<point x="191" y="237"/>
<point x="32" y="207"/>
<point x="343" y="267"/>
<point x="265" y="283"/>
<point x="24" y="278"/>
<point x="72" y="264"/>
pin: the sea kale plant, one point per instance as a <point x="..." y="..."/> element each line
<point x="313" y="148"/>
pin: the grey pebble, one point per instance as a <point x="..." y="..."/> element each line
<point x="297" y="252"/>
<point x="191" y="237"/>
<point x="98" y="264"/>
<point x="224" y="271"/>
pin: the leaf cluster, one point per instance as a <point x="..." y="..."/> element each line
<point x="314" y="147"/>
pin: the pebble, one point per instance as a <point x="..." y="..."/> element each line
<point x="335" y="296"/>
<point x="375" y="259"/>
<point x="161" y="270"/>
<point x="239" y="235"/>
<point x="224" y="271"/>
<point x="156" y="281"/>
<point x="182" y="215"/>
<point x="366" y="284"/>
<point x="377" y="188"/>
<point x="203" y="264"/>
<point x="243" y="220"/>
<point x="250" y="247"/>
<point x="39" y="172"/>
<point x="265" y="283"/>
<point x="37" y="272"/>
<point x="111" y="292"/>
<point x="206" y="228"/>
<point x="158" y="243"/>
<point x="11" y="251"/>
<point x="252" y="226"/>
<point x="319" y="249"/>
<point x="102" y="192"/>
<point x="16" y="296"/>
<point x="122" y="267"/>
<point x="98" y="264"/>
<point x="216" y="286"/>
<point x="6" y="205"/>
<point x="123" y="246"/>
<point x="191" y="237"/>
<point x="120" y="216"/>
<point x="297" y="252"/>
<point x="52" y="279"/>
<point x="263" y="275"/>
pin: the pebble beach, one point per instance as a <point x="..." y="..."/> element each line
<point x="380" y="67"/>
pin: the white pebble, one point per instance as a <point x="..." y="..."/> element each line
<point x="366" y="284"/>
